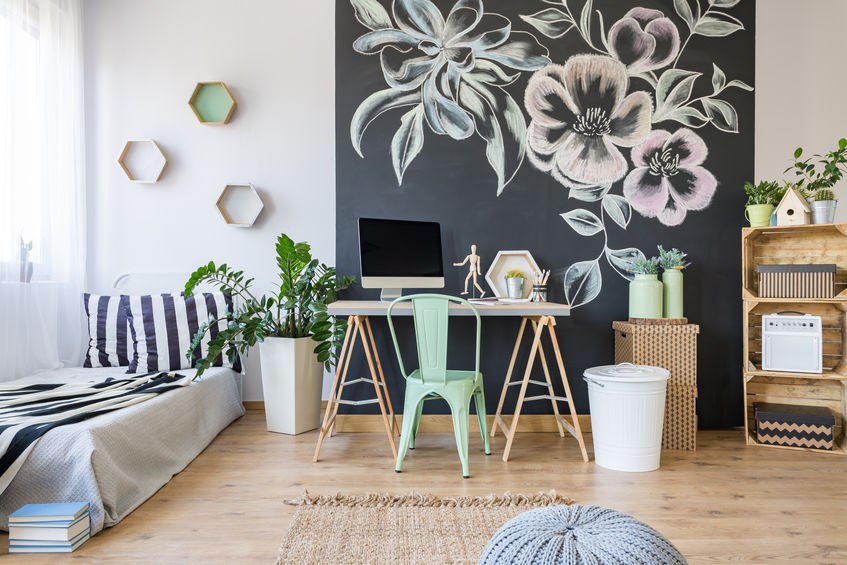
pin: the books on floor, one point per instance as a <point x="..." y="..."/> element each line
<point x="49" y="528"/>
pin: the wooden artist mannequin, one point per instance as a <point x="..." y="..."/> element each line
<point x="475" y="270"/>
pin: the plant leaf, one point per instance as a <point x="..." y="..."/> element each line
<point x="371" y="14"/>
<point x="583" y="282"/>
<point x="718" y="78"/>
<point x="552" y="22"/>
<point x="622" y="259"/>
<point x="589" y="193"/>
<point x="740" y="84"/>
<point x="723" y="114"/>
<point x="585" y="20"/>
<point x="618" y="209"/>
<point x="717" y="24"/>
<point x="724" y="3"/>
<point x="500" y="122"/>
<point x="374" y="105"/>
<point x="408" y="141"/>
<point x="584" y="222"/>
<point x="683" y="10"/>
<point x="673" y="90"/>
<point x="692" y="117"/>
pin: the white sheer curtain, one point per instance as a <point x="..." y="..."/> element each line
<point x="42" y="184"/>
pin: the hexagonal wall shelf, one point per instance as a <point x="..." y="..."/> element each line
<point x="504" y="262"/>
<point x="212" y="103"/>
<point x="142" y="160"/>
<point x="239" y="205"/>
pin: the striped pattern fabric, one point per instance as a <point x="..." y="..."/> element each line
<point x="796" y="281"/>
<point x="30" y="411"/>
<point x="163" y="327"/>
<point x="109" y="342"/>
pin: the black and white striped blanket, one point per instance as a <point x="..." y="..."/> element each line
<point x="28" y="412"/>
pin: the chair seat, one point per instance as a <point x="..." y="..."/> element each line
<point x="451" y="376"/>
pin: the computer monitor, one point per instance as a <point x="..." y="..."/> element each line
<point x="397" y="254"/>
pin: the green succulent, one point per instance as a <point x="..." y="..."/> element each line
<point x="515" y="274"/>
<point x="823" y="194"/>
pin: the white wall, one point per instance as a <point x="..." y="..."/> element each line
<point x="801" y="87"/>
<point x="142" y="61"/>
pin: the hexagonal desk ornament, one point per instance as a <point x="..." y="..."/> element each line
<point x="239" y="205"/>
<point x="142" y="160"/>
<point x="212" y="103"/>
<point x="506" y="261"/>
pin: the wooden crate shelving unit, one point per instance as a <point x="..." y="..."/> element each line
<point x="786" y="245"/>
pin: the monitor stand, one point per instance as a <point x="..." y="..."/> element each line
<point x="390" y="294"/>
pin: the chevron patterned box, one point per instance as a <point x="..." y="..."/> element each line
<point x="796" y="426"/>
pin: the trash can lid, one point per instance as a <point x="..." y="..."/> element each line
<point x="627" y="373"/>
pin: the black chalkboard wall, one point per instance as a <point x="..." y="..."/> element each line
<point x="587" y="133"/>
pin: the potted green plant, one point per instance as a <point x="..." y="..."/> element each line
<point x="515" y="279"/>
<point x="294" y="332"/>
<point x="820" y="172"/>
<point x="672" y="263"/>
<point x="761" y="198"/>
<point x="645" y="289"/>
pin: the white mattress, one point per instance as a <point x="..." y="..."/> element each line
<point x="118" y="460"/>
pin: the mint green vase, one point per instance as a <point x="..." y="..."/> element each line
<point x="645" y="297"/>
<point x="672" y="282"/>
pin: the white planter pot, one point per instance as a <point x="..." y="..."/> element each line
<point x="292" y="381"/>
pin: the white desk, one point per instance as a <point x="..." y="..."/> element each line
<point x="539" y="314"/>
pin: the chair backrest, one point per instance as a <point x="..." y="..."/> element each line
<point x="431" y="313"/>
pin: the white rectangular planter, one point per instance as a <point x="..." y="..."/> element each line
<point x="292" y="383"/>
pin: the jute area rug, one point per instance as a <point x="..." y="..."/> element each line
<point x="409" y="529"/>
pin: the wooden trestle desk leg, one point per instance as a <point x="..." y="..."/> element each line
<point x="356" y="326"/>
<point x="391" y="414"/>
<point x="538" y="325"/>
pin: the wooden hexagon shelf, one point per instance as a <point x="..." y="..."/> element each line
<point x="212" y="103"/>
<point x="506" y="261"/>
<point x="239" y="205"/>
<point x="142" y="160"/>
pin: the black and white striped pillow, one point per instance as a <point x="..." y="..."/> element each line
<point x="163" y="326"/>
<point x="109" y="341"/>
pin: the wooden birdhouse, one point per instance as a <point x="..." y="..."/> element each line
<point x="793" y="210"/>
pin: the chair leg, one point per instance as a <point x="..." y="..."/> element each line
<point x="479" y="402"/>
<point x="460" y="430"/>
<point x="410" y="406"/>
<point x="417" y="424"/>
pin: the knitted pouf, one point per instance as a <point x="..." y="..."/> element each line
<point x="576" y="535"/>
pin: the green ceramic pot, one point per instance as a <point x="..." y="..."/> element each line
<point x="645" y="297"/>
<point x="672" y="289"/>
<point x="759" y="215"/>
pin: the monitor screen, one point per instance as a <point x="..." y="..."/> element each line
<point x="400" y="248"/>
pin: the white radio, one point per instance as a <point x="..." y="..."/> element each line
<point x="792" y="341"/>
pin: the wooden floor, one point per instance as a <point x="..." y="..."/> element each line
<point x="726" y="502"/>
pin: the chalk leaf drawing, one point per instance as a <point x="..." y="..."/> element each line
<point x="590" y="111"/>
<point x="450" y="74"/>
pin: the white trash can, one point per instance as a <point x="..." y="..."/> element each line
<point x="627" y="411"/>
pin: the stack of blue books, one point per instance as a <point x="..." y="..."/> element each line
<point x="49" y="528"/>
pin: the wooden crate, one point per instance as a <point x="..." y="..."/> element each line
<point x="794" y="245"/>
<point x="828" y="393"/>
<point x="833" y="322"/>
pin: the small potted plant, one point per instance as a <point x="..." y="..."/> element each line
<point x="761" y="198"/>
<point x="672" y="263"/>
<point x="645" y="290"/>
<point x="819" y="174"/>
<point x="515" y="279"/>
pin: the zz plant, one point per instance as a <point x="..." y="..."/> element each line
<point x="297" y="308"/>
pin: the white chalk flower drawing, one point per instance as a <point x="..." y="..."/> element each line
<point x="585" y="109"/>
<point x="448" y="73"/>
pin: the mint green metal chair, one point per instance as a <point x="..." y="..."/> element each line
<point x="433" y="380"/>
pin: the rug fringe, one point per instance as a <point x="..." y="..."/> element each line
<point x="429" y="500"/>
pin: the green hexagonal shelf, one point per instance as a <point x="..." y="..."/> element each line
<point x="212" y="103"/>
<point x="239" y="205"/>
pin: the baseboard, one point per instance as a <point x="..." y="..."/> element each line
<point x="437" y="423"/>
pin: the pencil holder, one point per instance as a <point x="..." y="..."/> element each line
<point x="539" y="293"/>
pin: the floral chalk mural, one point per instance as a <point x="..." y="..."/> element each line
<point x="614" y="122"/>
